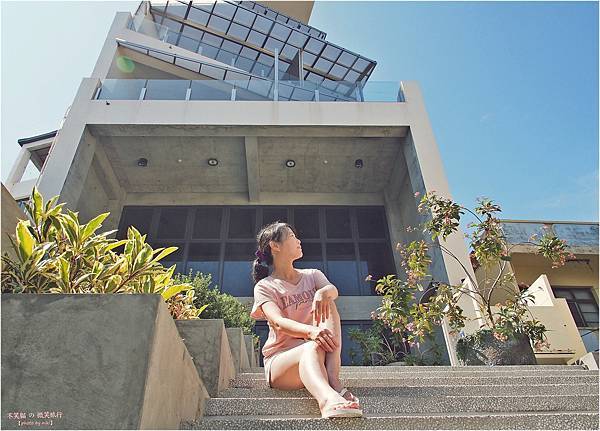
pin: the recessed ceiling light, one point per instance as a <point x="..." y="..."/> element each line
<point x="290" y="163"/>
<point x="325" y="161"/>
<point x="143" y="162"/>
<point x="358" y="163"/>
<point x="179" y="160"/>
<point x="213" y="162"/>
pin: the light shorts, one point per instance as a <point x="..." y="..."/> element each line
<point x="268" y="361"/>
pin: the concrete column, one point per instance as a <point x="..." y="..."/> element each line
<point x="251" y="143"/>
<point x="69" y="161"/>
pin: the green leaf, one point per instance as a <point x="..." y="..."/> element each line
<point x="163" y="253"/>
<point x="93" y="225"/>
<point x="174" y="290"/>
<point x="24" y="239"/>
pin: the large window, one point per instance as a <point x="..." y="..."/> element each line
<point x="346" y="243"/>
<point x="582" y="304"/>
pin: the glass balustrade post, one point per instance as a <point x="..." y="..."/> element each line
<point x="188" y="91"/>
<point x="143" y="92"/>
<point x="316" y="95"/>
<point x="276" y="90"/>
<point x="233" y="92"/>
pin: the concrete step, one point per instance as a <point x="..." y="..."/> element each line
<point x="538" y="420"/>
<point x="403" y="405"/>
<point x="244" y="381"/>
<point x="418" y="369"/>
<point x="449" y="374"/>
<point x="421" y="391"/>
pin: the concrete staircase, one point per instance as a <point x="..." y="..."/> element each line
<point x="439" y="397"/>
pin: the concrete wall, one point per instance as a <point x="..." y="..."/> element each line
<point x="103" y="361"/>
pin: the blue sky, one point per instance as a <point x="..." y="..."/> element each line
<point x="511" y="88"/>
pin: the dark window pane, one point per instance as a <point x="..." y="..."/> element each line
<point x="242" y="222"/>
<point x="237" y="278"/>
<point x="376" y="260"/>
<point x="274" y="214"/>
<point x="576" y="315"/>
<point x="205" y="258"/>
<point x="207" y="223"/>
<point x="591" y="319"/>
<point x="341" y="268"/>
<point x="311" y="256"/>
<point x="563" y="293"/>
<point x="583" y="294"/>
<point x="306" y="222"/>
<point x="338" y="223"/>
<point x="174" y="258"/>
<point x="138" y="217"/>
<point x="172" y="223"/>
<point x="371" y="222"/>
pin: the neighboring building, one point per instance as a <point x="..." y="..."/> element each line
<point x="200" y="123"/>
<point x="576" y="281"/>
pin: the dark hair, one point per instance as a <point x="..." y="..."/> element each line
<point x="276" y="231"/>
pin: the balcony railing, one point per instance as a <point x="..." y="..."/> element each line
<point x="243" y="90"/>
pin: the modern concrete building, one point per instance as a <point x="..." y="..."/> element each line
<point x="201" y="122"/>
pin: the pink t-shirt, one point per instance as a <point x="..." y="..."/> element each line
<point x="294" y="301"/>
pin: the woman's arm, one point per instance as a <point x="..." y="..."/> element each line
<point x="289" y="326"/>
<point x="323" y="336"/>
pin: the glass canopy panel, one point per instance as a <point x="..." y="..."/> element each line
<point x="274" y="31"/>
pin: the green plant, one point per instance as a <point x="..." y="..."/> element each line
<point x="219" y="305"/>
<point x="378" y="345"/>
<point x="57" y="254"/>
<point x="401" y="311"/>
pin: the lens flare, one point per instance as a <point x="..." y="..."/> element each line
<point x="125" y="64"/>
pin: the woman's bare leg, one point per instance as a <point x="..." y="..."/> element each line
<point x="304" y="366"/>
<point x="333" y="360"/>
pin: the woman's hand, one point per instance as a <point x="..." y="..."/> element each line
<point x="320" y="307"/>
<point x="324" y="338"/>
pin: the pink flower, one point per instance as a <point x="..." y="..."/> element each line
<point x="417" y="194"/>
<point x="369" y="277"/>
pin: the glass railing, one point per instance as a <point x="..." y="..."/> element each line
<point x="249" y="89"/>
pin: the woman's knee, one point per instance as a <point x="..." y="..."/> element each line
<point x="312" y="348"/>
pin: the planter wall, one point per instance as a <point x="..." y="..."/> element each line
<point x="490" y="351"/>
<point x="103" y="361"/>
<point x="206" y="340"/>
<point x="253" y="354"/>
<point x="237" y="344"/>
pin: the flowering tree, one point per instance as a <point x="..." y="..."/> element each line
<point x="403" y="313"/>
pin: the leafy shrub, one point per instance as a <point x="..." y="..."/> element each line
<point x="57" y="254"/>
<point x="219" y="305"/>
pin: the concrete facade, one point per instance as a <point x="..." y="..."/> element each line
<point x="93" y="160"/>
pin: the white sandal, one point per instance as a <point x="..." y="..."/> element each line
<point x="338" y="411"/>
<point x="354" y="397"/>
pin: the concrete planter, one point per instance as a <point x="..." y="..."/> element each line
<point x="237" y="344"/>
<point x="102" y="361"/>
<point x="206" y="340"/>
<point x="487" y="350"/>
<point x="253" y="352"/>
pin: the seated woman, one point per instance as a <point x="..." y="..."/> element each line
<point x="304" y="344"/>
